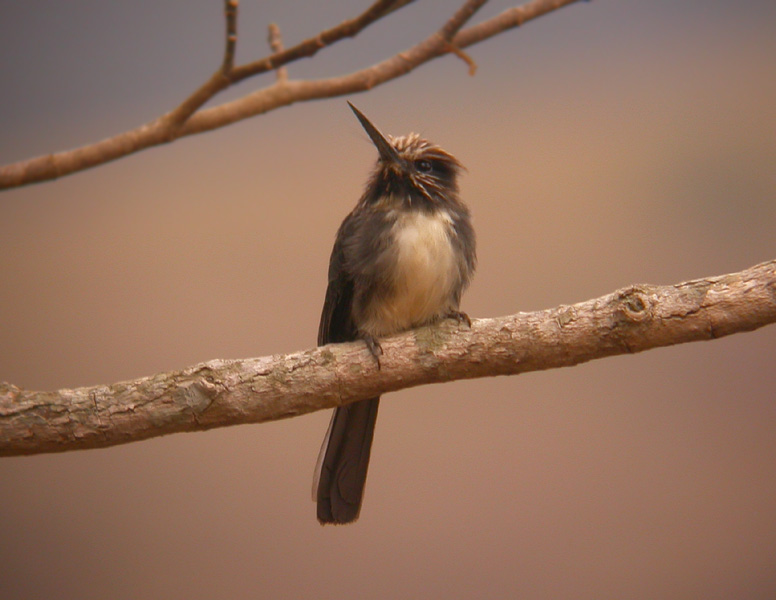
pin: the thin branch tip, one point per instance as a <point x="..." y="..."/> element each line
<point x="453" y="49"/>
<point x="275" y="41"/>
<point x="460" y="18"/>
<point x="230" y="13"/>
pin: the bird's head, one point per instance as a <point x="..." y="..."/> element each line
<point x="410" y="170"/>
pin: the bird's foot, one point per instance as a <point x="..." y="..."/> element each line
<point x="459" y="316"/>
<point x="374" y="347"/>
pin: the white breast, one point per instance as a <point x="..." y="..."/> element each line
<point x="424" y="274"/>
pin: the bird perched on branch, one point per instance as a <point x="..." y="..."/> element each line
<point x="401" y="259"/>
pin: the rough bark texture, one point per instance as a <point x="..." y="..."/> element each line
<point x="220" y="392"/>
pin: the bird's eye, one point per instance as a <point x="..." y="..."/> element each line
<point x="424" y="166"/>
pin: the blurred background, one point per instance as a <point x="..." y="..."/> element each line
<point x="608" y="143"/>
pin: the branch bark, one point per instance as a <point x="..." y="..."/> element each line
<point x="219" y="393"/>
<point x="189" y="118"/>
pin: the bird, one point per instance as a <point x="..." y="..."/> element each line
<point x="401" y="259"/>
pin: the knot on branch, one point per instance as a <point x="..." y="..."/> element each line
<point x="197" y="395"/>
<point x="565" y="315"/>
<point x="634" y="305"/>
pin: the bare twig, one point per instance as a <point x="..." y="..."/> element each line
<point x="230" y="12"/>
<point x="276" y="45"/>
<point x="459" y="19"/>
<point x="219" y="393"/>
<point x="453" y="26"/>
<point x="311" y="46"/>
<point x="463" y="56"/>
<point x="189" y="118"/>
<point x="169" y="125"/>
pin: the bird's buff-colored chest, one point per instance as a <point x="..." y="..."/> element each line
<point x="424" y="274"/>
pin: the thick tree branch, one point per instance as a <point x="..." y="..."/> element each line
<point x="189" y="118"/>
<point x="219" y="393"/>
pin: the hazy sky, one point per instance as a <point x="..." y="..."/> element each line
<point x="607" y="144"/>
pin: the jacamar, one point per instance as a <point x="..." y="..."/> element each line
<point x="401" y="259"/>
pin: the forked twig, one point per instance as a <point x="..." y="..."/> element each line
<point x="190" y="118"/>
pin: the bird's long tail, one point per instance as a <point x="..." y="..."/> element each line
<point x="340" y="474"/>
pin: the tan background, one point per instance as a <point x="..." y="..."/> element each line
<point x="607" y="144"/>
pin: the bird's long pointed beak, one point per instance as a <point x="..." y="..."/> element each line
<point x="387" y="152"/>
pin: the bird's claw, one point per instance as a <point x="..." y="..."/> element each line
<point x="459" y="316"/>
<point x="374" y="347"/>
